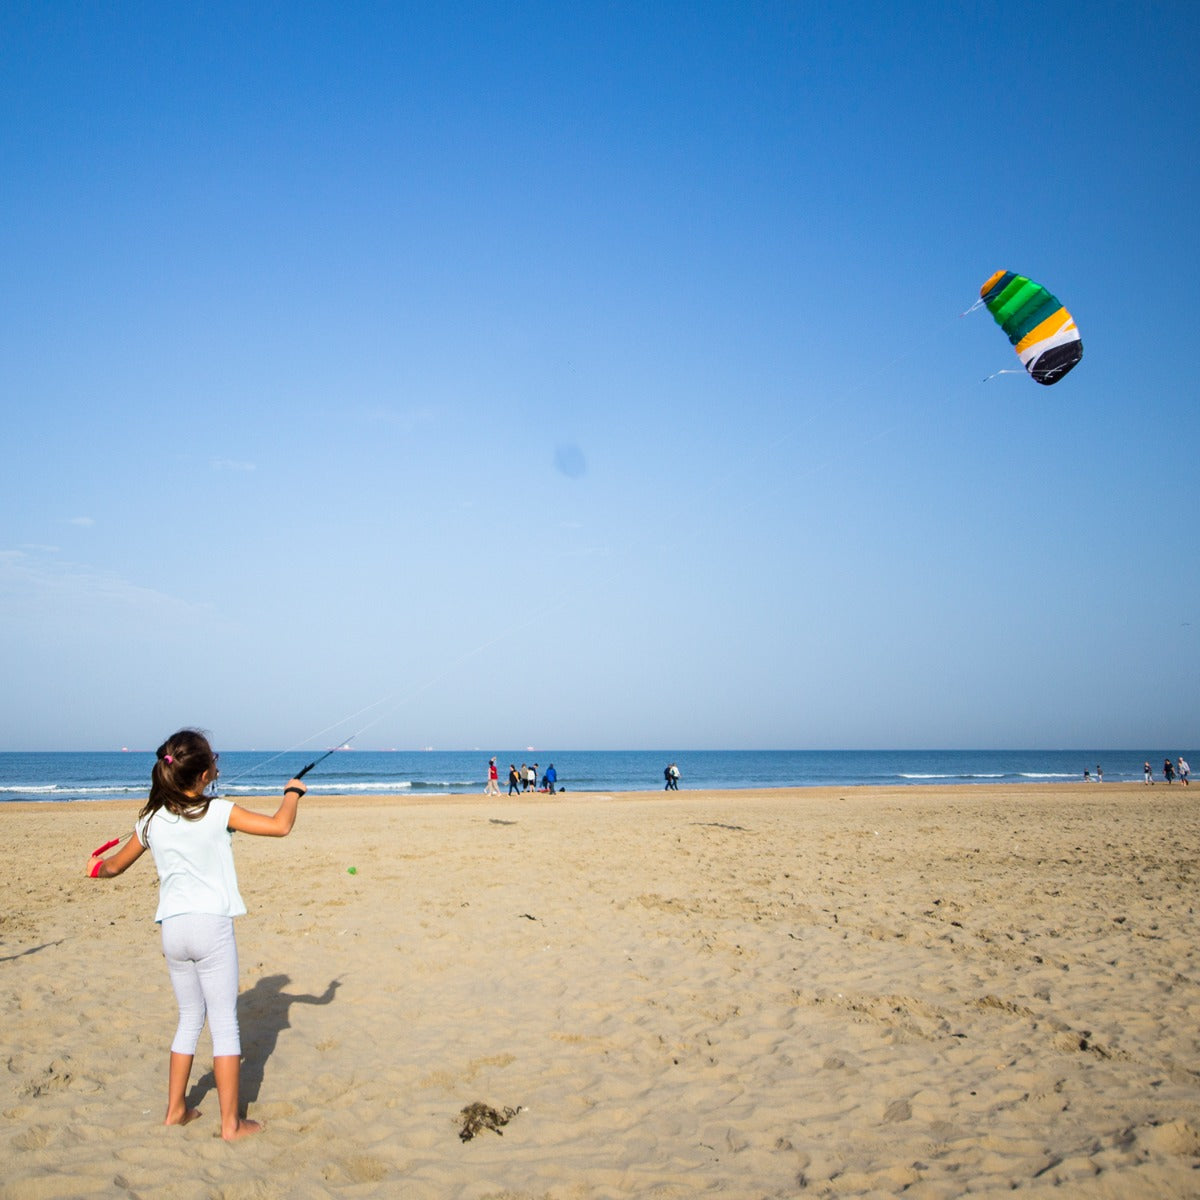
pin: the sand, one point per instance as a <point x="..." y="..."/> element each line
<point x="856" y="992"/>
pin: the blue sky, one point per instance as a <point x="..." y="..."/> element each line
<point x="593" y="376"/>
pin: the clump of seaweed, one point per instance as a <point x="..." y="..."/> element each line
<point x="479" y="1116"/>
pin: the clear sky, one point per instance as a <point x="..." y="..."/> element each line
<point x="593" y="376"/>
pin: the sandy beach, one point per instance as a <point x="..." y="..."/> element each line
<point x="850" y="992"/>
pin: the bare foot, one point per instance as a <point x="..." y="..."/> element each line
<point x="188" y="1115"/>
<point x="244" y="1129"/>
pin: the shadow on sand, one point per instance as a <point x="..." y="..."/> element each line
<point x="32" y="950"/>
<point x="263" y="1016"/>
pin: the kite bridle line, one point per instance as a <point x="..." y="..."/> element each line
<point x="1004" y="370"/>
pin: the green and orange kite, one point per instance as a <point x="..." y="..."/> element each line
<point x="1042" y="332"/>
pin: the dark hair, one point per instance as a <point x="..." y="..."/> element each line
<point x="177" y="780"/>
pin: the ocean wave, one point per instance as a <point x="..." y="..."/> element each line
<point x="241" y="790"/>
<point x="954" y="775"/>
<point x="377" y="785"/>
<point x="50" y="789"/>
<point x="341" y="787"/>
<point x="335" y="787"/>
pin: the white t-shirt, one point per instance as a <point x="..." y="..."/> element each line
<point x="194" y="861"/>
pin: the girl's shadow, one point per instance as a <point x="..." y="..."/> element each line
<point x="263" y="1016"/>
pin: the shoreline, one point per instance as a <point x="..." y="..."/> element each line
<point x="816" y="792"/>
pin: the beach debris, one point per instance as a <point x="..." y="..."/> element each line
<point x="351" y="870"/>
<point x="479" y="1116"/>
<point x="529" y="916"/>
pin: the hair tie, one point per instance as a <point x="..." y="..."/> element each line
<point x="168" y="759"/>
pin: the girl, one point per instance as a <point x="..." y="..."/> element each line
<point x="190" y="837"/>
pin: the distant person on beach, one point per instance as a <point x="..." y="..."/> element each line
<point x="1184" y="771"/>
<point x="1087" y="775"/>
<point x="189" y="835"/>
<point x="493" y="783"/>
<point x="1147" y="774"/>
<point x="1099" y="773"/>
<point x="550" y="778"/>
<point x="514" y="780"/>
<point x="1168" y="770"/>
<point x="524" y="778"/>
<point x="531" y="778"/>
<point x="671" y="775"/>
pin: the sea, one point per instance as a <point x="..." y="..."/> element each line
<point x="80" y="776"/>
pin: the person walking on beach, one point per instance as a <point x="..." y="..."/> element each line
<point x="1168" y="770"/>
<point x="493" y="783"/>
<point x="514" y="780"/>
<point x="1147" y="774"/>
<point x="671" y="774"/>
<point x="550" y="778"/>
<point x="189" y="835"/>
<point x="1184" y="771"/>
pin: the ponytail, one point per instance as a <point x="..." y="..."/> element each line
<point x="177" y="779"/>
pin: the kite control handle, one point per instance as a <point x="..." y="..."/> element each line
<point x="305" y="770"/>
<point x="97" y="853"/>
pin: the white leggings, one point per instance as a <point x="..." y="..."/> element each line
<point x="201" y="955"/>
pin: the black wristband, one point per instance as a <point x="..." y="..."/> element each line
<point x="298" y="791"/>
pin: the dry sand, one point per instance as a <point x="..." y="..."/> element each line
<point x="856" y="992"/>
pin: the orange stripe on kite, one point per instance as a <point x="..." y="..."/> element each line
<point x="1056" y="322"/>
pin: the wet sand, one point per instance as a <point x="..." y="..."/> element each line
<point x="818" y="992"/>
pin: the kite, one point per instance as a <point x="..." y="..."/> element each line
<point x="1042" y="332"/>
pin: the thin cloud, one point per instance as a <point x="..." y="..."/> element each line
<point x="39" y="588"/>
<point x="81" y="522"/>
<point x="233" y="464"/>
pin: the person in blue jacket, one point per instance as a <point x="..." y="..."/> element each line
<point x="550" y="778"/>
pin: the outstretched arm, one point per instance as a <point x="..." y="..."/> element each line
<point x="278" y="825"/>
